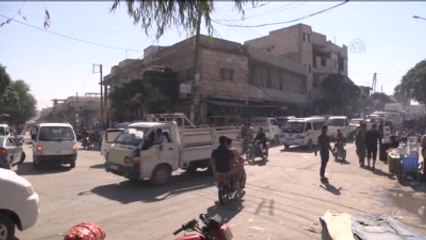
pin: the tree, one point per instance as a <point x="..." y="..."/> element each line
<point x="413" y="84"/>
<point x="163" y="15"/>
<point x="15" y="99"/>
<point x="4" y="79"/>
<point x="159" y="89"/>
<point x="377" y="101"/>
<point x="341" y="93"/>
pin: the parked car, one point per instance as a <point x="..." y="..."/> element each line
<point x="54" y="143"/>
<point x="11" y="152"/>
<point x="19" y="204"/>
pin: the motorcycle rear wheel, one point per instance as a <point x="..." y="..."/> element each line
<point x="250" y="157"/>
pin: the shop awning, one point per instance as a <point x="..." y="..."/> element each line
<point x="226" y="103"/>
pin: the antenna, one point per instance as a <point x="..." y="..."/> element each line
<point x="374" y="83"/>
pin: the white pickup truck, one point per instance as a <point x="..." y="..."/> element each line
<point x="137" y="155"/>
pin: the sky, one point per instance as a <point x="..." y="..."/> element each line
<point x="57" y="66"/>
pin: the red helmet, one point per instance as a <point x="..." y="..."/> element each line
<point x="85" y="231"/>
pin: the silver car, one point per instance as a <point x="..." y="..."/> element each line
<point x="11" y="152"/>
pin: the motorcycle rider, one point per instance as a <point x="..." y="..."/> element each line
<point x="222" y="157"/>
<point x="261" y="137"/>
<point x="247" y="135"/>
<point x="237" y="167"/>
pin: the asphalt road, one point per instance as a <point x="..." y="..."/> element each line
<point x="283" y="200"/>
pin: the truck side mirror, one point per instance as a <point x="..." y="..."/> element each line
<point x="33" y="137"/>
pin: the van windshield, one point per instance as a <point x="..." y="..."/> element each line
<point x="2" y="131"/>
<point x="56" y="134"/>
<point x="336" y="122"/>
<point x="293" y="127"/>
<point x="131" y="136"/>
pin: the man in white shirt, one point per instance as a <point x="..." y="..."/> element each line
<point x="159" y="137"/>
<point x="423" y="145"/>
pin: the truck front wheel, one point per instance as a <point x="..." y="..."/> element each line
<point x="161" y="175"/>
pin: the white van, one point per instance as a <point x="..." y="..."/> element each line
<point x="302" y="131"/>
<point x="270" y="127"/>
<point x="338" y="122"/>
<point x="54" y="143"/>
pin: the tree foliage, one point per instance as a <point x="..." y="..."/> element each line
<point x="377" y="101"/>
<point x="158" y="88"/>
<point x="161" y="15"/>
<point x="413" y="84"/>
<point x="341" y="93"/>
<point x="16" y="99"/>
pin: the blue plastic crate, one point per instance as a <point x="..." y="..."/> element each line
<point x="410" y="164"/>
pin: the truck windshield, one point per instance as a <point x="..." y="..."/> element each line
<point x="56" y="134"/>
<point x="293" y="127"/>
<point x="336" y="122"/>
<point x="131" y="136"/>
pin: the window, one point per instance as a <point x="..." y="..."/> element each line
<point x="10" y="142"/>
<point x="304" y="37"/>
<point x="323" y="62"/>
<point x="56" y="134"/>
<point x="226" y="74"/>
<point x="309" y="68"/>
<point x="309" y="38"/>
<point x="308" y="127"/>
<point x="111" y="135"/>
<point x="274" y="122"/>
<point x="318" y="125"/>
<point x="132" y="136"/>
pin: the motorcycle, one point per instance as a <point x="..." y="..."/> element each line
<point x="87" y="144"/>
<point x="255" y="151"/>
<point x="213" y="229"/>
<point x="227" y="189"/>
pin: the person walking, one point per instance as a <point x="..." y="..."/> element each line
<point x="324" y="147"/>
<point x="360" y="143"/>
<point x="423" y="145"/>
<point x="371" y="139"/>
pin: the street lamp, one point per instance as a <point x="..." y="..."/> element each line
<point x="418" y="17"/>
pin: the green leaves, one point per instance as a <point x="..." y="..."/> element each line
<point x="131" y="99"/>
<point x="341" y="92"/>
<point x="413" y="84"/>
<point x="160" y="15"/>
<point x="16" y="99"/>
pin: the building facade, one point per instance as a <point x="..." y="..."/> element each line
<point x="300" y="44"/>
<point x="232" y="80"/>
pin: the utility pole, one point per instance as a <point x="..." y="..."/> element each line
<point x="374" y="82"/>
<point x="195" y="104"/>
<point x="77" y="111"/>
<point x="102" y="99"/>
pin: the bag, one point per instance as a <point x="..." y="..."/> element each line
<point x="85" y="231"/>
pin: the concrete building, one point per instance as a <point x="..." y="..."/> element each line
<point x="300" y="44"/>
<point x="233" y="79"/>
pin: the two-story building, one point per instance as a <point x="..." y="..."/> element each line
<point x="301" y="45"/>
<point x="232" y="79"/>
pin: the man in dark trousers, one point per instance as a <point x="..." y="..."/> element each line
<point x="360" y="143"/>
<point x="324" y="148"/>
<point x="371" y="139"/>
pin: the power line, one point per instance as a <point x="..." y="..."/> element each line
<point x="284" y="22"/>
<point x="271" y="11"/>
<point x="70" y="37"/>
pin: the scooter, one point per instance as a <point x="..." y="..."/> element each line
<point x="213" y="229"/>
<point x="255" y="151"/>
<point x="226" y="188"/>
<point x="339" y="149"/>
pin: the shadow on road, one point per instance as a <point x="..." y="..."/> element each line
<point x="128" y="191"/>
<point x="298" y="150"/>
<point x="227" y="212"/>
<point x="331" y="188"/>
<point x="27" y="168"/>
<point x="98" y="166"/>
<point x="382" y="173"/>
